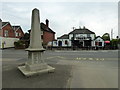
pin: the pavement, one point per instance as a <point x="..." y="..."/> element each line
<point x="74" y="69"/>
<point x="52" y="80"/>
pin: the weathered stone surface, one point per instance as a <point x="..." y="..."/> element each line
<point x="28" y="73"/>
<point x="35" y="63"/>
<point x="35" y="35"/>
<point x="34" y="67"/>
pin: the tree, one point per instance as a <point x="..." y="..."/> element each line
<point x="26" y="39"/>
<point x="114" y="43"/>
<point x="26" y="36"/>
<point x="106" y="37"/>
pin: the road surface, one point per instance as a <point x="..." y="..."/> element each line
<point x="74" y="69"/>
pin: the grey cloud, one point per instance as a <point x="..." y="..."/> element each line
<point x="99" y="17"/>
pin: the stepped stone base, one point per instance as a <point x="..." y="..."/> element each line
<point x="28" y="73"/>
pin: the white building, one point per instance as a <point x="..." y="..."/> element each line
<point x="78" y="37"/>
<point x="81" y="38"/>
<point x="98" y="42"/>
<point x="64" y="41"/>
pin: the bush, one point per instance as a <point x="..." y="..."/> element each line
<point x="19" y="44"/>
<point x="114" y="43"/>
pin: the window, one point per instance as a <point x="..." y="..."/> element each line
<point x="19" y="34"/>
<point x="100" y="43"/>
<point x="72" y="38"/>
<point x="88" y="35"/>
<point x="16" y="34"/>
<point x="55" y="42"/>
<point x="6" y="33"/>
<point x="59" y="43"/>
<point x="41" y="36"/>
<point x="66" y="42"/>
<point x="96" y="43"/>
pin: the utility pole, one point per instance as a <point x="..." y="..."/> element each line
<point x="73" y="38"/>
<point x="111" y="34"/>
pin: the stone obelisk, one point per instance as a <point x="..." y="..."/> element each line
<point x="35" y="63"/>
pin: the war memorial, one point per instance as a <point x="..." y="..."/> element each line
<point x="35" y="63"/>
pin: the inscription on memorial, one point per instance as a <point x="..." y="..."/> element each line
<point x="35" y="57"/>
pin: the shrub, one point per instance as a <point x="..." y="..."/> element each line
<point x="19" y="44"/>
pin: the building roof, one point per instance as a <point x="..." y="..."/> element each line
<point x="65" y="36"/>
<point x="0" y="20"/>
<point x="82" y="31"/>
<point x="16" y="27"/>
<point x="4" y="23"/>
<point x="45" y="28"/>
<point x="98" y="37"/>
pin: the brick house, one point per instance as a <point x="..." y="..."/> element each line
<point x="18" y="31"/>
<point x="47" y="34"/>
<point x="7" y="30"/>
<point x="7" y="34"/>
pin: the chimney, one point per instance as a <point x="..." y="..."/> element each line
<point x="79" y="27"/>
<point x="47" y="22"/>
<point x="84" y="27"/>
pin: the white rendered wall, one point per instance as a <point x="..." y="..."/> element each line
<point x="99" y="40"/>
<point x="63" y="42"/>
<point x="92" y="36"/>
<point x="70" y="36"/>
<point x="55" y="43"/>
<point x="7" y="42"/>
<point x="82" y="35"/>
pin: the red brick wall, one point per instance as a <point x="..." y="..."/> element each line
<point x="20" y="31"/>
<point x="47" y="37"/>
<point x="10" y="31"/>
<point x="0" y="32"/>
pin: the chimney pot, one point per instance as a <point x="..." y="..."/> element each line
<point x="47" y="22"/>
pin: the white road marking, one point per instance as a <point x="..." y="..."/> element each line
<point x="97" y="59"/>
<point x="102" y="59"/>
<point x="84" y="58"/>
<point x="90" y="59"/>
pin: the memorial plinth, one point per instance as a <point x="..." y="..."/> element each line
<point x="35" y="63"/>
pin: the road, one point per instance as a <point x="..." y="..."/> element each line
<point x="74" y="69"/>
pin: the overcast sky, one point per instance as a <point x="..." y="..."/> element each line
<point x="99" y="17"/>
